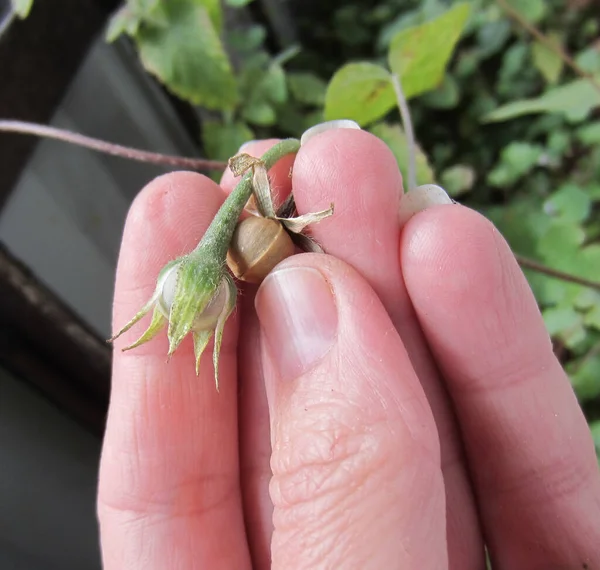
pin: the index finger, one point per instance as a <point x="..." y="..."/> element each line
<point x="169" y="479"/>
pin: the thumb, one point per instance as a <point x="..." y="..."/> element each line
<point x="356" y="464"/>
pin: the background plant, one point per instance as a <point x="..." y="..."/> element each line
<point x="507" y="124"/>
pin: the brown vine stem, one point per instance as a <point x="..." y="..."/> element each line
<point x="550" y="272"/>
<point x="44" y="131"/>
<point x="566" y="58"/>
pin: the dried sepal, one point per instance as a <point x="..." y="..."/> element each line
<point x="241" y="163"/>
<point x="262" y="190"/>
<point x="299" y="223"/>
<point x="288" y="207"/>
<point x="261" y="185"/>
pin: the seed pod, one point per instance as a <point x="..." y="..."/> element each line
<point x="257" y="246"/>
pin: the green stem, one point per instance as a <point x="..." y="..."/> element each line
<point x="218" y="236"/>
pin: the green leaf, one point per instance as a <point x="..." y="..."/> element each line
<point x="307" y="88"/>
<point x="592" y="317"/>
<point x="585" y="377"/>
<point x="560" y="244"/>
<point x="247" y="40"/>
<point x="569" y="203"/>
<point x="259" y="113"/>
<point x="532" y="10"/>
<point x="492" y="36"/>
<point x="595" y="430"/>
<point x="593" y="191"/>
<point x="419" y="55"/>
<point x="589" y="134"/>
<point x="565" y="323"/>
<point x="516" y="160"/>
<point x="213" y="7"/>
<point x="272" y="85"/>
<point x="559" y="143"/>
<point x="188" y="57"/>
<point x="575" y="99"/>
<point x="548" y="62"/>
<point x="362" y="92"/>
<point x="293" y="120"/>
<point x="467" y="63"/>
<point x="22" y="7"/>
<point x="589" y="262"/>
<point x="123" y="21"/>
<point x="237" y="3"/>
<point x="589" y="59"/>
<point x="263" y="89"/>
<point x="458" y="180"/>
<point x="222" y="141"/>
<point x="393" y="135"/>
<point x="446" y="96"/>
<point x="522" y="222"/>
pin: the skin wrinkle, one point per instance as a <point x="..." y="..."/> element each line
<point x="343" y="547"/>
<point x="332" y="447"/>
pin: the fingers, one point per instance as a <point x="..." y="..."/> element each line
<point x="356" y="467"/>
<point x="357" y="172"/>
<point x="530" y="453"/>
<point x="255" y="448"/>
<point x="169" y="482"/>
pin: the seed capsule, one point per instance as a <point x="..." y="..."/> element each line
<point x="257" y="246"/>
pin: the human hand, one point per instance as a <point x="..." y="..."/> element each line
<point x="403" y="405"/>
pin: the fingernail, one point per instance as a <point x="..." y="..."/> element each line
<point x="298" y="317"/>
<point x="421" y="198"/>
<point x="246" y="145"/>
<point x="327" y="126"/>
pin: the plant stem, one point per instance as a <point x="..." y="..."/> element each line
<point x="44" y="131"/>
<point x="408" y="129"/>
<point x="564" y="56"/>
<point x="550" y="272"/>
<point x="218" y="236"/>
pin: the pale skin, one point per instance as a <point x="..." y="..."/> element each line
<point x="433" y="413"/>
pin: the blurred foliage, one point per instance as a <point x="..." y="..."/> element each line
<point x="515" y="133"/>
<point x="501" y="121"/>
